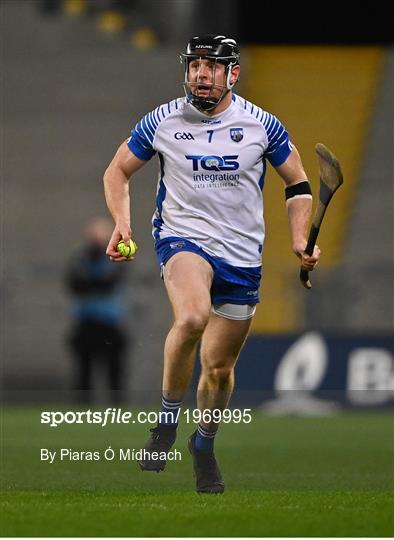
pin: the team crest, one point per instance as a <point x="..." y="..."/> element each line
<point x="236" y="134"/>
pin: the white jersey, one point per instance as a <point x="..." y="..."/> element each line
<point x="212" y="174"/>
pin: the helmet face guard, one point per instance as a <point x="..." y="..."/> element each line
<point x="217" y="49"/>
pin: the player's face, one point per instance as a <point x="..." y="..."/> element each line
<point x="206" y="77"/>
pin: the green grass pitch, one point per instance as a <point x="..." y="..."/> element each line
<point x="285" y="476"/>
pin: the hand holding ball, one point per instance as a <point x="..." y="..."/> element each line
<point x="127" y="250"/>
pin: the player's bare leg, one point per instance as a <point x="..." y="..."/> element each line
<point x="220" y="347"/>
<point x="188" y="279"/>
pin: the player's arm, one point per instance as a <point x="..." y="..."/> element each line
<point x="117" y="196"/>
<point x="299" y="206"/>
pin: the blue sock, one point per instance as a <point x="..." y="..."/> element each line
<point x="205" y="439"/>
<point x="171" y="410"/>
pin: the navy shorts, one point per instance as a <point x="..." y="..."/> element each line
<point x="230" y="285"/>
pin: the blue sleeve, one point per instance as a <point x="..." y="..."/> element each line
<point x="279" y="144"/>
<point x="141" y="140"/>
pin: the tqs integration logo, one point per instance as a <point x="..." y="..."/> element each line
<point x="214" y="163"/>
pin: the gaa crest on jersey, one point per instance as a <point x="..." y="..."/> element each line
<point x="236" y="134"/>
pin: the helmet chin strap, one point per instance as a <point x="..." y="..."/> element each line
<point x="206" y="103"/>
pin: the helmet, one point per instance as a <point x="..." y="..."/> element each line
<point x="219" y="48"/>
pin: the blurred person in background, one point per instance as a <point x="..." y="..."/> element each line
<point x="97" y="338"/>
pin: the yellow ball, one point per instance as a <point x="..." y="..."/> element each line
<point x="127" y="250"/>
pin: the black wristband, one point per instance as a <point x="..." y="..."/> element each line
<point x="302" y="188"/>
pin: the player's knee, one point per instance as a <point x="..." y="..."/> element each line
<point x="192" y="323"/>
<point x="218" y="374"/>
